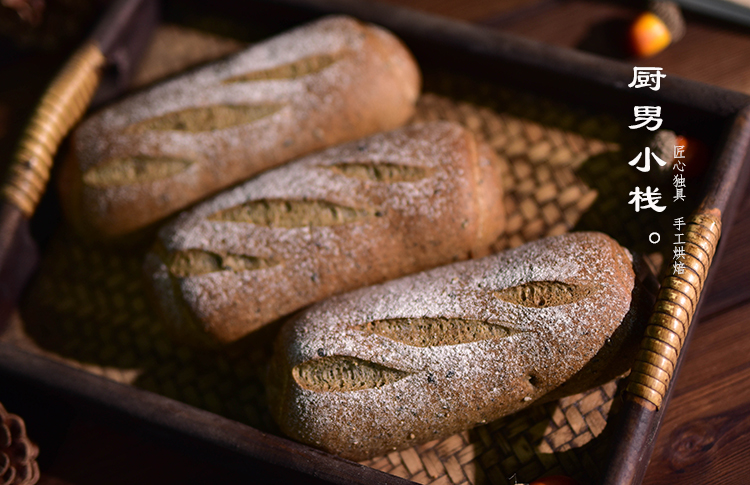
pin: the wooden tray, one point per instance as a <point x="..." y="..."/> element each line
<point x="559" y="120"/>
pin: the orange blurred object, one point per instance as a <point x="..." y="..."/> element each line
<point x="696" y="158"/>
<point x="648" y="35"/>
<point x="555" y="480"/>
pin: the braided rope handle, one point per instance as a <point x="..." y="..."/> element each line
<point x="674" y="310"/>
<point x="60" y="109"/>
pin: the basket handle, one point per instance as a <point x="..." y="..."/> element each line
<point x="674" y="310"/>
<point x="61" y="107"/>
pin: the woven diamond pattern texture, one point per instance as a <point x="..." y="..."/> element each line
<point x="564" y="169"/>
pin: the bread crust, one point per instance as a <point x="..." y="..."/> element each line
<point x="432" y="354"/>
<point x="161" y="150"/>
<point x="350" y="216"/>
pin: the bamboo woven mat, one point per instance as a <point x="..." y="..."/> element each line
<point x="564" y="169"/>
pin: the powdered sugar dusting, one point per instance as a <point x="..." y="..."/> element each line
<point x="452" y="387"/>
<point x="372" y="86"/>
<point x="411" y="226"/>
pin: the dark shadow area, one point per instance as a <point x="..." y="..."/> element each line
<point x="607" y="38"/>
<point x="88" y="303"/>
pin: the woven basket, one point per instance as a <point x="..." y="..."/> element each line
<point x="564" y="169"/>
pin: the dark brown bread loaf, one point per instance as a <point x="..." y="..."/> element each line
<point x="350" y="216"/>
<point x="428" y="355"/>
<point x="322" y="84"/>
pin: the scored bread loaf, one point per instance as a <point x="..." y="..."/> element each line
<point x="350" y="216"/>
<point x="156" y="152"/>
<point x="428" y="355"/>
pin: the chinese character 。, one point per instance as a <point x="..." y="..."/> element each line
<point x="647" y="77"/>
<point x="678" y="252"/>
<point x="679" y="151"/>
<point x="648" y="198"/>
<point x="647" y="161"/>
<point x="646" y="115"/>
<point x="679" y="222"/>
<point x="679" y="267"/>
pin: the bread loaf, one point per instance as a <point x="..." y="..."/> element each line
<point x="431" y="354"/>
<point x="322" y="84"/>
<point x="350" y="216"/>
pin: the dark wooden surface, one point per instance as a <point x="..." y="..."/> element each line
<point x="705" y="437"/>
